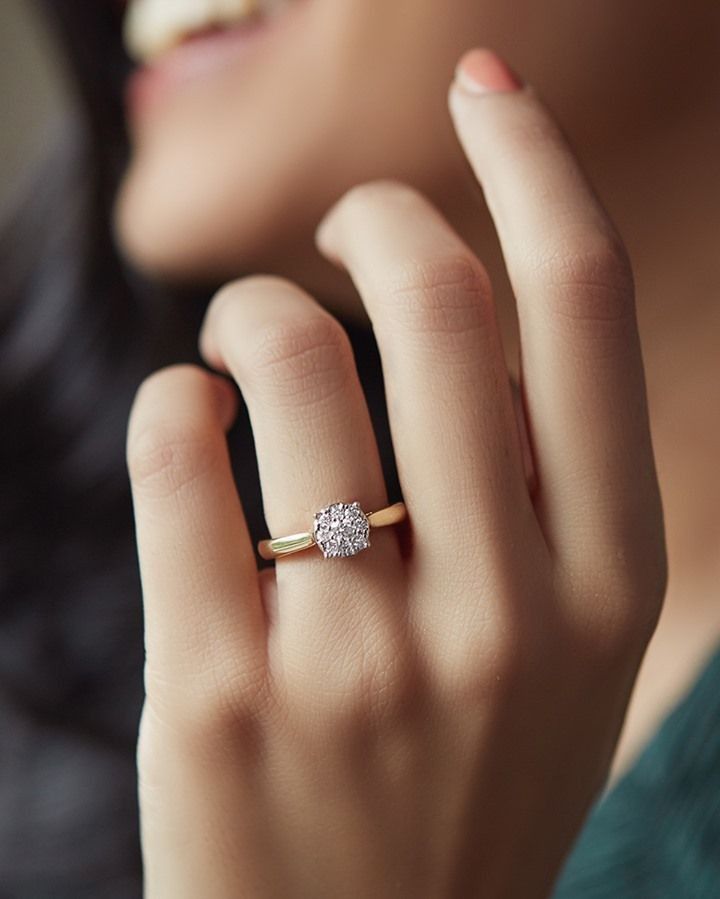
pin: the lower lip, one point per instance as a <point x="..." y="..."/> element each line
<point x="195" y="59"/>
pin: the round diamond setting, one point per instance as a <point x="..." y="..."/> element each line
<point x="341" y="530"/>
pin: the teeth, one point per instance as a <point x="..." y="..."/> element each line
<point x="154" y="26"/>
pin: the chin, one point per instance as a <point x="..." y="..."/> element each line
<point x="163" y="240"/>
<point x="182" y="231"/>
<point x="201" y="238"/>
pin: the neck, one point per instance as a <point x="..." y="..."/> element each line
<point x="662" y="188"/>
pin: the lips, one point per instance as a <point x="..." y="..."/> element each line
<point x="153" y="27"/>
<point x="189" y="44"/>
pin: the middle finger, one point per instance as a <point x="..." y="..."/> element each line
<point x="449" y="399"/>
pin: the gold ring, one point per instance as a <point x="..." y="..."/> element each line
<point x="340" y="530"/>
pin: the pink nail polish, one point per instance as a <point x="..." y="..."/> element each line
<point x="481" y="71"/>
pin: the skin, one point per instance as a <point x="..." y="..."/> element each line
<point x="418" y="735"/>
<point x="249" y="205"/>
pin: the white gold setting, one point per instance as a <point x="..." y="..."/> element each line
<point x="341" y="530"/>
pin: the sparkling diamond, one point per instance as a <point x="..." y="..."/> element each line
<point x="342" y="530"/>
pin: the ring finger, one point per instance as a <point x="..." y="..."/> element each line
<point x="315" y="445"/>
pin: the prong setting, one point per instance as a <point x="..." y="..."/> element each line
<point x="341" y="530"/>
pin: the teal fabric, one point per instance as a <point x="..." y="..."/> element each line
<point x="656" y="833"/>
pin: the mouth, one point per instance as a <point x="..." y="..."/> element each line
<point x="153" y="27"/>
<point x="178" y="41"/>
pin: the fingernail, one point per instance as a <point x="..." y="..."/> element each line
<point x="481" y="71"/>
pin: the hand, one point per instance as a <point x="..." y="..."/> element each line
<point x="425" y="722"/>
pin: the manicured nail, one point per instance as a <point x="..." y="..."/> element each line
<point x="481" y="71"/>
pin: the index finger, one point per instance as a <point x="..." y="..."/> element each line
<point x="582" y="368"/>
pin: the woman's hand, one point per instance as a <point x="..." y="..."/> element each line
<point x="435" y="720"/>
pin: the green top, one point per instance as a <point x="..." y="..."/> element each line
<point x="656" y="833"/>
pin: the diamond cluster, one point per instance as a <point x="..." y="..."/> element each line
<point x="342" y="530"/>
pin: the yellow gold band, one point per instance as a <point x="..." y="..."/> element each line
<point x="343" y="517"/>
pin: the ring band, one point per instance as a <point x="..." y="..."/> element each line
<point x="340" y="530"/>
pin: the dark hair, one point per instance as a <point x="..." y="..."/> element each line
<point x="78" y="332"/>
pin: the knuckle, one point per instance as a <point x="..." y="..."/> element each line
<point x="371" y="682"/>
<point x="444" y="295"/>
<point x="166" y="457"/>
<point x="483" y="667"/>
<point x="447" y="298"/>
<point x="619" y="610"/>
<point x="634" y="612"/>
<point x="589" y="280"/>
<point x="215" y="703"/>
<point x="233" y="295"/>
<point x="499" y="647"/>
<point x="390" y="684"/>
<point x="368" y="195"/>
<point x="305" y="360"/>
<point x="163" y="741"/>
<point x="158" y="386"/>
<point x="605" y="640"/>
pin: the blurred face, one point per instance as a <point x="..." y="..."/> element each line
<point x="246" y="128"/>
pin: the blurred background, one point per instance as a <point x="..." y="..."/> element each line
<point x="32" y="94"/>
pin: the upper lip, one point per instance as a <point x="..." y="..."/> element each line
<point x="154" y="26"/>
